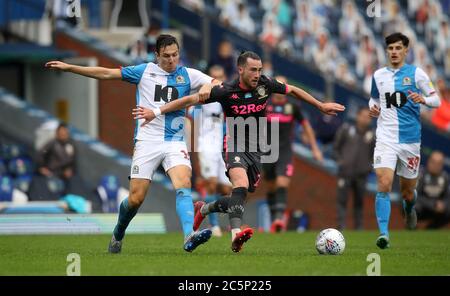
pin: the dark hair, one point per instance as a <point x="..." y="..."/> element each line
<point x="164" y="40"/>
<point x="62" y="125"/>
<point x="395" y="37"/>
<point x="242" y="59"/>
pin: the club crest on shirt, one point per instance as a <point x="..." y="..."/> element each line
<point x="237" y="159"/>
<point x="261" y="91"/>
<point x="180" y="79"/>
<point x="135" y="170"/>
<point x="407" y="81"/>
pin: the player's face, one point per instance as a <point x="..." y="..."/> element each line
<point x="62" y="134"/>
<point x="396" y="53"/>
<point x="168" y="57"/>
<point x="251" y="73"/>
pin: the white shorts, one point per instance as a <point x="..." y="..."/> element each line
<point x="213" y="166"/>
<point x="404" y="157"/>
<point x="149" y="155"/>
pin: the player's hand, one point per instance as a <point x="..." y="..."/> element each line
<point x="317" y="154"/>
<point x="143" y="113"/>
<point x="374" y="111"/>
<point x="57" y="65"/>
<point x="204" y="92"/>
<point x="331" y="108"/>
<point x="415" y="97"/>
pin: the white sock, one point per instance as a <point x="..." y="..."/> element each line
<point x="234" y="231"/>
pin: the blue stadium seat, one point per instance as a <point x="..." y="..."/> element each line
<point x="6" y="188"/>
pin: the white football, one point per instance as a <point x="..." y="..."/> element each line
<point x="330" y="242"/>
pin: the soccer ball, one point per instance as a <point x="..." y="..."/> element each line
<point x="330" y="242"/>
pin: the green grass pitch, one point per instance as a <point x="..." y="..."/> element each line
<point x="411" y="253"/>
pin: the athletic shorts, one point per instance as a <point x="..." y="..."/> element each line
<point x="213" y="166"/>
<point x="149" y="155"/>
<point x="282" y="167"/>
<point x="250" y="161"/>
<point x="405" y="158"/>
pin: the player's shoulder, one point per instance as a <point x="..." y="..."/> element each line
<point x="380" y="72"/>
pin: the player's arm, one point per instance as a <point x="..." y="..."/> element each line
<point x="374" y="101"/>
<point x="327" y="108"/>
<point x="311" y="136"/>
<point x="201" y="97"/>
<point x="92" y="72"/>
<point x="431" y="98"/>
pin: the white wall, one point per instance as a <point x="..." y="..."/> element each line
<point x="45" y="87"/>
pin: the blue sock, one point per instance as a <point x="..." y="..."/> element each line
<point x="409" y="205"/>
<point x="185" y="210"/>
<point x="125" y="215"/>
<point x="383" y="211"/>
<point x="213" y="217"/>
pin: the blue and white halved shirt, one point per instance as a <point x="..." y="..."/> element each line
<point x="399" y="120"/>
<point x="156" y="87"/>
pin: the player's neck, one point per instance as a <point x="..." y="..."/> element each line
<point x="396" y="66"/>
<point x="243" y="86"/>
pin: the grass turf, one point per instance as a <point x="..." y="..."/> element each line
<point x="411" y="253"/>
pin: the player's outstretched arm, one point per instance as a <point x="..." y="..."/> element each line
<point x="93" y="72"/>
<point x="327" y="108"/>
<point x="149" y="114"/>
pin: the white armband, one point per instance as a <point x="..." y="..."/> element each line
<point x="157" y="111"/>
<point x="433" y="101"/>
<point x="373" y="102"/>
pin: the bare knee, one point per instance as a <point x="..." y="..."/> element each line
<point x="384" y="184"/>
<point x="407" y="193"/>
<point x="136" y="198"/>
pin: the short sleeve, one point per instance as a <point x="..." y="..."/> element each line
<point x="275" y="86"/>
<point x="424" y="83"/>
<point x="198" y="78"/>
<point x="133" y="74"/>
<point x="374" y="93"/>
<point x="218" y="94"/>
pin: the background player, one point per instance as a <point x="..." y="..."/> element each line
<point x="396" y="95"/>
<point x="245" y="97"/>
<point x="160" y="142"/>
<point x="278" y="174"/>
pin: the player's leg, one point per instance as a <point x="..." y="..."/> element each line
<point x="409" y="196"/>
<point x="209" y="168"/>
<point x="211" y="196"/>
<point x="385" y="177"/>
<point x="177" y="165"/>
<point x="270" y="178"/>
<point x="145" y="161"/>
<point x="282" y="185"/>
<point x="343" y="185"/>
<point x="284" y="169"/>
<point x="385" y="162"/>
<point x="408" y="170"/>
<point x="359" y="190"/>
<point x="127" y="210"/>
